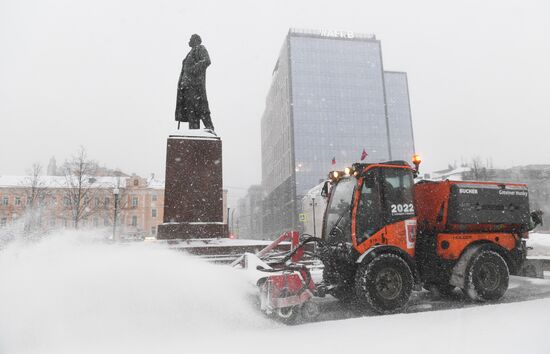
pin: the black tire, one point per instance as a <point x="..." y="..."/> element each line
<point x="487" y="277"/>
<point x="310" y="311"/>
<point x="384" y="284"/>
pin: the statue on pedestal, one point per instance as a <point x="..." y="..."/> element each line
<point x="191" y="103"/>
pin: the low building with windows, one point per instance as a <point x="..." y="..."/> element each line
<point x="50" y="202"/>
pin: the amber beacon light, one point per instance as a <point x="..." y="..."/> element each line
<point x="416" y="160"/>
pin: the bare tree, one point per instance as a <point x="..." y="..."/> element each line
<point x="479" y="170"/>
<point x="36" y="193"/>
<point x="81" y="188"/>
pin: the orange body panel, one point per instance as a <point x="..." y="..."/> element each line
<point x="456" y="243"/>
<point x="401" y="234"/>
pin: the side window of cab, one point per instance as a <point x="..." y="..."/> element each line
<point x="370" y="215"/>
<point x="397" y="194"/>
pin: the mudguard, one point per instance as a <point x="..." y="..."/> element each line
<point x="375" y="251"/>
<point x="458" y="274"/>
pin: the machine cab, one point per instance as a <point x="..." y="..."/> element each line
<point x="371" y="204"/>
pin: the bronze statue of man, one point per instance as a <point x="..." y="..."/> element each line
<point x="192" y="104"/>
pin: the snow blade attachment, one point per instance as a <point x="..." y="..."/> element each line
<point x="287" y="294"/>
<point x="285" y="286"/>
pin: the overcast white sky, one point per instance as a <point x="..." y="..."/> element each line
<point x="103" y="74"/>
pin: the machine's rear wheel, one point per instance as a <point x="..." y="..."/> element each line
<point x="384" y="284"/>
<point x="487" y="277"/>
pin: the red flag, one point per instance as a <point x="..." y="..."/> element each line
<point x="364" y="155"/>
<point x="334" y="160"/>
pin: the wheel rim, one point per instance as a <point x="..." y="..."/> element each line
<point x="488" y="277"/>
<point x="388" y="283"/>
<point x="285" y="312"/>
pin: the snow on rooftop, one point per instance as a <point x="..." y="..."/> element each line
<point x="155" y="183"/>
<point x="315" y="191"/>
<point x="107" y="182"/>
<point x="455" y="174"/>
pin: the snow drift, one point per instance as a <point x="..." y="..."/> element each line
<point x="72" y="292"/>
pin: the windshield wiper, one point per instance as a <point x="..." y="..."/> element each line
<point x="332" y="231"/>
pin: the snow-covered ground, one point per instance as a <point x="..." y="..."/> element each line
<point x="73" y="293"/>
<point x="505" y="328"/>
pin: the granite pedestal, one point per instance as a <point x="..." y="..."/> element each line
<point x="193" y="194"/>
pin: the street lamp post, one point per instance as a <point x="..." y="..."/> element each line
<point x="314" y="223"/>
<point x="116" y="191"/>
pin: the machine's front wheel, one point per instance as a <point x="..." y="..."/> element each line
<point x="384" y="284"/>
<point x="487" y="277"/>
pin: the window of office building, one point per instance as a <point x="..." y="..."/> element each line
<point x="154" y="213"/>
<point x="134" y="220"/>
<point x="17" y="201"/>
<point x="5" y="201"/>
<point x="135" y="202"/>
<point x="154" y="197"/>
<point x="153" y="230"/>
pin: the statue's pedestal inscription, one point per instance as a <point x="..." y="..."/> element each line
<point x="193" y="202"/>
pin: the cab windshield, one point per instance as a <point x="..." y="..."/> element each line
<point x="338" y="217"/>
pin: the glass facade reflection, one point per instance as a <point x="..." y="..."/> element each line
<point x="399" y="115"/>
<point x="328" y="99"/>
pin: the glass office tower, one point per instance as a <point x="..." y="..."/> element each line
<point x="329" y="99"/>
